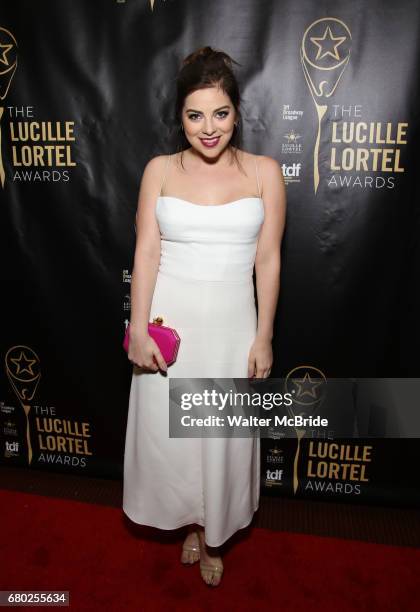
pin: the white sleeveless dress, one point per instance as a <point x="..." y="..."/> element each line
<point x="204" y="289"/>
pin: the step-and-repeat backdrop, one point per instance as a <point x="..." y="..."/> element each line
<point x="86" y="99"/>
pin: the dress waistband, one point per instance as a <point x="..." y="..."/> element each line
<point x="189" y="278"/>
<point x="228" y="262"/>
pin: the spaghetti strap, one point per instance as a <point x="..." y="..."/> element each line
<point x="256" y="174"/>
<point x="164" y="174"/>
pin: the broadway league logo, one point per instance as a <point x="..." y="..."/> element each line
<point x="8" y="64"/>
<point x="23" y="369"/>
<point x="308" y="387"/>
<point x="324" y="54"/>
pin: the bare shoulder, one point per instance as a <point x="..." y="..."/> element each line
<point x="152" y="175"/>
<point x="270" y="168"/>
<point x="155" y="165"/>
<point x="272" y="180"/>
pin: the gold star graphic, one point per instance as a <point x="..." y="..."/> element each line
<point x="320" y="54"/>
<point x="307" y="382"/>
<point x="6" y="48"/>
<point x="25" y="368"/>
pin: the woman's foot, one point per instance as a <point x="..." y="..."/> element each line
<point x="211" y="565"/>
<point x="190" y="549"/>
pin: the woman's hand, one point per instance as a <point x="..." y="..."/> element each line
<point x="145" y="353"/>
<point x="260" y="358"/>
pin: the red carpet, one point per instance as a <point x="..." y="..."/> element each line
<point x="108" y="563"/>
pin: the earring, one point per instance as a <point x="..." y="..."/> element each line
<point x="182" y="126"/>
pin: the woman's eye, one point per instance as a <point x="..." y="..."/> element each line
<point x="220" y="115"/>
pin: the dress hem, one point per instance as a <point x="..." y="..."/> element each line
<point x="184" y="524"/>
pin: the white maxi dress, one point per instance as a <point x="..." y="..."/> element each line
<point x="204" y="289"/>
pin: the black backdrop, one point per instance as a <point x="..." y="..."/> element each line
<point x="100" y="74"/>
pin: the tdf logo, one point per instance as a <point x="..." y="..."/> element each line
<point x="12" y="447"/>
<point x="291" y="170"/>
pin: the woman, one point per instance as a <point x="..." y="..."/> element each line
<point x="199" y="233"/>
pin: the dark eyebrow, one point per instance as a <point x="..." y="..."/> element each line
<point x="189" y="110"/>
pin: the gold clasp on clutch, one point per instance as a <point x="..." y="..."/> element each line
<point x="158" y="320"/>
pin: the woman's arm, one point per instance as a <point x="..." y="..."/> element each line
<point x="267" y="264"/>
<point x="146" y="262"/>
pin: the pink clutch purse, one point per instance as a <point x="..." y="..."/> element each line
<point x="165" y="337"/>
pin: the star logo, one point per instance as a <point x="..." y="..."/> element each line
<point x="328" y="42"/>
<point x="306" y="386"/>
<point x="23" y="364"/>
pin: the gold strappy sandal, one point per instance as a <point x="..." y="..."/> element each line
<point x="210" y="572"/>
<point x="190" y="553"/>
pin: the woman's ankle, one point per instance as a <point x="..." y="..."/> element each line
<point x="212" y="551"/>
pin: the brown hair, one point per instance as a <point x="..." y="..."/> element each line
<point x="206" y="67"/>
